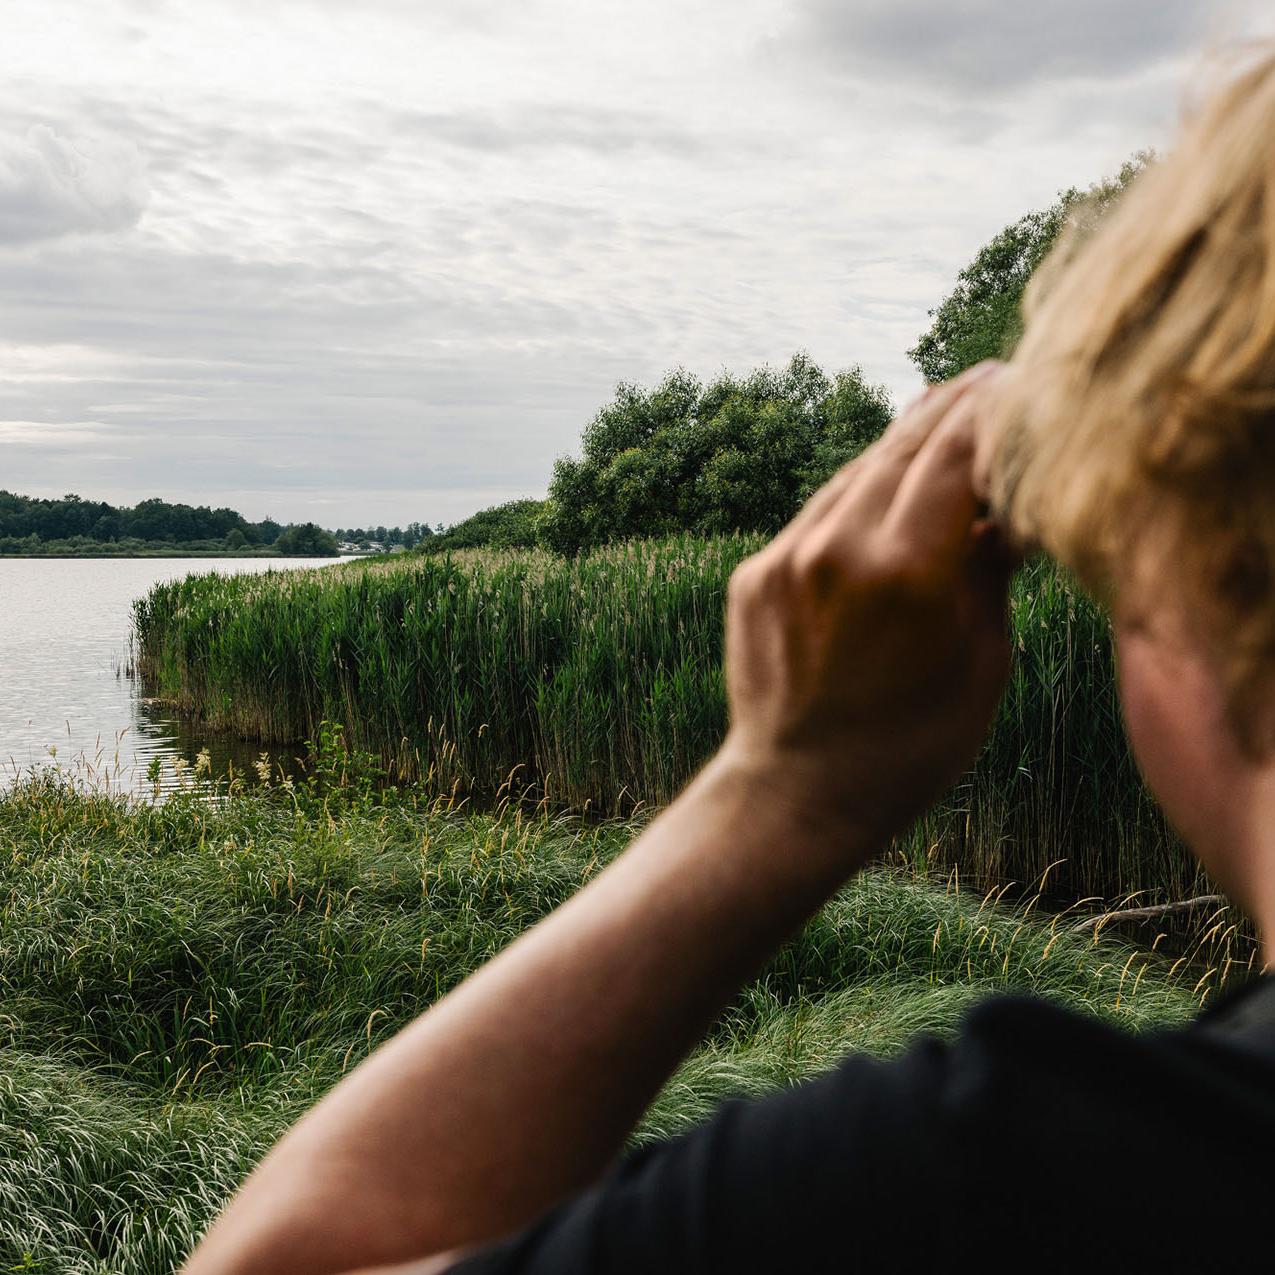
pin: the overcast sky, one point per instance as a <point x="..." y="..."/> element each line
<point x="377" y="262"/>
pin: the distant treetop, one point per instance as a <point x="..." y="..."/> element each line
<point x="981" y="318"/>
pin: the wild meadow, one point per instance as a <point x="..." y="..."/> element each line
<point x="180" y="979"/>
<point x="596" y="683"/>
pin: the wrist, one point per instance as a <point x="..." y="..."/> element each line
<point x="796" y="804"/>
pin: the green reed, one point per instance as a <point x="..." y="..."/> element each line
<point x="597" y="682"/>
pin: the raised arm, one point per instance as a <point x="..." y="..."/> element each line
<point x="866" y="652"/>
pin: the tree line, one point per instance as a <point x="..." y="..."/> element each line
<point x="149" y="520"/>
<point x="364" y="537"/>
<point x="33" y="524"/>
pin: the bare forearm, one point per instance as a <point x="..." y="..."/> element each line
<point x="523" y="1084"/>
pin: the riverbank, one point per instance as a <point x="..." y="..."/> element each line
<point x="178" y="981"/>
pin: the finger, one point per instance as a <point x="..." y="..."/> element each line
<point x="935" y="505"/>
<point x="903" y="441"/>
<point x="994" y="545"/>
<point x="827" y="495"/>
<point x="993" y="562"/>
<point x="915" y="425"/>
<point x="991" y="430"/>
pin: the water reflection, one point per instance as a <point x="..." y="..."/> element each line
<point x="65" y="698"/>
<point x="167" y="737"/>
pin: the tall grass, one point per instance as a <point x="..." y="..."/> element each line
<point x="598" y="682"/>
<point x="178" y="981"/>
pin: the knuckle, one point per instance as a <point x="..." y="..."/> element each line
<point x="818" y="565"/>
<point x="812" y="557"/>
<point x="750" y="579"/>
<point x="955" y="441"/>
<point x="897" y="567"/>
<point x="742" y="581"/>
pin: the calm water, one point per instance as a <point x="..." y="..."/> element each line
<point x="65" y="698"/>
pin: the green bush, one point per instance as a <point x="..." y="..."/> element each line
<point x="513" y="525"/>
<point x="306" y="540"/>
<point x="734" y="455"/>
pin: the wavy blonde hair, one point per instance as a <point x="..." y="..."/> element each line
<point x="1138" y="411"/>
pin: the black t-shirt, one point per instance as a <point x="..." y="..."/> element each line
<point x="1038" y="1139"/>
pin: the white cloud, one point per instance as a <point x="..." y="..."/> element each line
<point x="57" y="435"/>
<point x="52" y="185"/>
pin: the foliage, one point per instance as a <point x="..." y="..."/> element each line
<point x="597" y="682"/>
<point x="82" y="547"/>
<point x="512" y="525"/>
<point x="151" y="521"/>
<point x="179" y="981"/>
<point x="73" y="526"/>
<point x="981" y="318"/>
<point x="339" y="777"/>
<point x="733" y="455"/>
<point x="306" y="540"/>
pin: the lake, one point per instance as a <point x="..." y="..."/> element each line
<point x="65" y="696"/>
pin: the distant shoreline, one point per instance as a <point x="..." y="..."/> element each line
<point x="194" y="553"/>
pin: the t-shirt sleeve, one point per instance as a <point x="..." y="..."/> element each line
<point x="864" y="1154"/>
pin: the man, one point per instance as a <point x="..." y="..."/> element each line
<point x="866" y="653"/>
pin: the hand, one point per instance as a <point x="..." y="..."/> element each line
<point x="866" y="645"/>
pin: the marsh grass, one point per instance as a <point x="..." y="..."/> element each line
<point x="178" y="980"/>
<point x="597" y="683"/>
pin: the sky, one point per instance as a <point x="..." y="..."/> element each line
<point x="380" y="262"/>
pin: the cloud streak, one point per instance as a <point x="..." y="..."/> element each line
<point x="53" y="185"/>
<point x="991" y="46"/>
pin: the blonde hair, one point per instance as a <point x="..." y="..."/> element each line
<point x="1138" y="411"/>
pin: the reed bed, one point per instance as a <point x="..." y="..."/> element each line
<point x="597" y="682"/>
<point x="179" y="980"/>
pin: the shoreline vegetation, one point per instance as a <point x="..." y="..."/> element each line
<point x="595" y="683"/>
<point x="192" y="551"/>
<point x="179" y="980"/>
<point x="148" y="551"/>
<point x="72" y="527"/>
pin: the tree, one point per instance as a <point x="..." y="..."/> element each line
<point x="307" y="540"/>
<point x="513" y="525"/>
<point x="266" y="532"/>
<point x="235" y="539"/>
<point x="981" y="318"/>
<point x="733" y="455"/>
